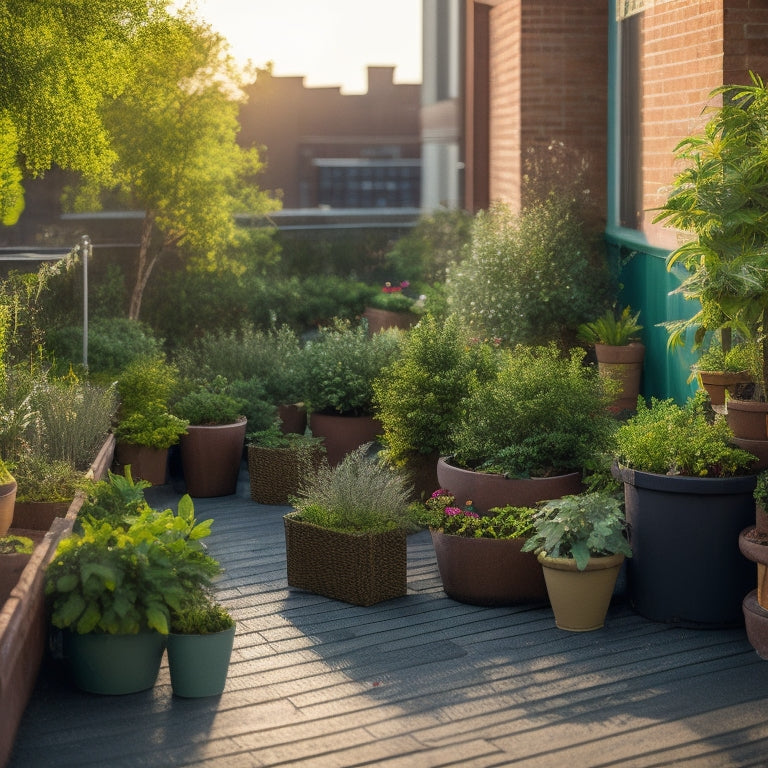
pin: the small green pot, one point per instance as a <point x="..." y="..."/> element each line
<point x="199" y="663"/>
<point x="114" y="664"/>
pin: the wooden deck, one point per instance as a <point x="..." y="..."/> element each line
<point x="416" y="682"/>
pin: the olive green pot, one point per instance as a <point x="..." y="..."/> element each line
<point x="199" y="663"/>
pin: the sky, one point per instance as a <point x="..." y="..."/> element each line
<point x="329" y="42"/>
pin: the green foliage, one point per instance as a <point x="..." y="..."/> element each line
<point x="113" y="344"/>
<point x="146" y="381"/>
<point x="203" y="617"/>
<point x="615" y="330"/>
<point x="668" y="439"/>
<point x="126" y="578"/>
<point x="210" y="404"/>
<point x="16" y="545"/>
<point x="41" y="479"/>
<point x="5" y="474"/>
<point x="579" y="527"/>
<point x="418" y="398"/>
<point x="721" y="197"/>
<point x="114" y="500"/>
<point x="340" y="365"/>
<point x="274" y="437"/>
<point x="154" y="427"/>
<point x="256" y="407"/>
<point x="761" y="488"/>
<point x="740" y="357"/>
<point x="522" y="278"/>
<point x="392" y="302"/>
<point x="543" y="414"/>
<point x="441" y="512"/>
<point x="360" y="494"/>
<point x="437" y="241"/>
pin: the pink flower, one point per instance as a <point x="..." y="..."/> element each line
<point x="452" y="511"/>
<point x="439" y="492"/>
<point x="471" y="514"/>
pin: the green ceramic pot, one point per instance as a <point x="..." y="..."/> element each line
<point x="199" y="663"/>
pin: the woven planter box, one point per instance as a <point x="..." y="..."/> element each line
<point x="357" y="568"/>
<point x="275" y="473"/>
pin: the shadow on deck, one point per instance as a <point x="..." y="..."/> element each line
<point x="415" y="682"/>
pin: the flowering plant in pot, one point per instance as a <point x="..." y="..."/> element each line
<point x="580" y="542"/>
<point x="684" y="481"/>
<point x="480" y="557"/>
<point x="531" y="431"/>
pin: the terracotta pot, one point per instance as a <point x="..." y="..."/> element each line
<point x="293" y="418"/>
<point x="717" y="383"/>
<point x="342" y="434"/>
<point x="756" y="623"/>
<point x="211" y="458"/>
<point x="381" y="319"/>
<point x="488" y="571"/>
<point x="758" y="448"/>
<point x="580" y="599"/>
<point x="748" y="419"/>
<point x="625" y="365"/>
<point x="487" y="491"/>
<point x="7" y="502"/>
<point x="150" y="464"/>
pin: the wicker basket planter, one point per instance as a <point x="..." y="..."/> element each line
<point x="356" y="568"/>
<point x="275" y="473"/>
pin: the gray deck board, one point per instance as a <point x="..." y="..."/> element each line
<point x="418" y="682"/>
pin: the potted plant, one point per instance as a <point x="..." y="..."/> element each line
<point x="581" y="544"/>
<point x="719" y="197"/>
<point x="199" y="647"/>
<point x="619" y="352"/>
<point x="418" y="397"/>
<point x="688" y="494"/>
<point x="7" y="498"/>
<point x="278" y="460"/>
<point x="146" y="429"/>
<point x="212" y="448"/>
<point x="480" y="557"/>
<point x="391" y="308"/>
<point x="346" y="538"/>
<point x="113" y="584"/>
<point x="15" y="552"/>
<point x="530" y="432"/>
<point x="719" y="372"/>
<point x="339" y="367"/>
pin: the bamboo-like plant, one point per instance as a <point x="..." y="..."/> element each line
<point x="721" y="197"/>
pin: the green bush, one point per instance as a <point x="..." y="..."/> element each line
<point x="146" y="381"/>
<point x="210" y="404"/>
<point x="543" y="414"/>
<point x="523" y="278"/>
<point x="418" y="398"/>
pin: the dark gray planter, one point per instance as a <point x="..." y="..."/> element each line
<point x="686" y="567"/>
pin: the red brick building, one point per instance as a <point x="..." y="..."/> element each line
<point x="325" y="148"/>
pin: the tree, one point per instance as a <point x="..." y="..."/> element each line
<point x="59" y="61"/>
<point x="174" y="131"/>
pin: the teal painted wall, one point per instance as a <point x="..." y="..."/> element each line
<point x="645" y="286"/>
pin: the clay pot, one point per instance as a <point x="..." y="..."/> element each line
<point x="211" y="458"/>
<point x="381" y="319"/>
<point x="342" y="434"/>
<point x="717" y="383"/>
<point x="150" y="464"/>
<point x="625" y="365"/>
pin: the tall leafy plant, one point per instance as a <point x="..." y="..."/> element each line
<point x="721" y="198"/>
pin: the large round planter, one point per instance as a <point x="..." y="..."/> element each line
<point x="382" y="319"/>
<point x="114" y="664"/>
<point x="487" y="490"/>
<point x="199" y="663"/>
<point x="756" y="623"/>
<point x="686" y="567"/>
<point x="717" y="383"/>
<point x="150" y="464"/>
<point x="748" y="419"/>
<point x="211" y="458"/>
<point x="580" y="599"/>
<point x="488" y="571"/>
<point x="7" y="502"/>
<point x="624" y="364"/>
<point x="342" y="434"/>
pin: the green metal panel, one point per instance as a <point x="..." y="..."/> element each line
<point x="646" y="286"/>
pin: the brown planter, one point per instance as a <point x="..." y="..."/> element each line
<point x="211" y="458"/>
<point x="38" y="515"/>
<point x="150" y="464"/>
<point x="625" y="365"/>
<point x="357" y="568"/>
<point x="11" y="567"/>
<point x="342" y="434"/>
<point x="488" y="571"/>
<point x="487" y="491"/>
<point x="275" y="473"/>
<point x="748" y="419"/>
<point x="382" y="319"/>
<point x="717" y="383"/>
<point x="7" y="502"/>
<point x="421" y="471"/>
<point x="580" y="599"/>
<point x="756" y="623"/>
<point x="293" y="418"/>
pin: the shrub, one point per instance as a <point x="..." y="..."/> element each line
<point x="210" y="404"/>
<point x="543" y="414"/>
<point x="42" y="479"/>
<point x="146" y="381"/>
